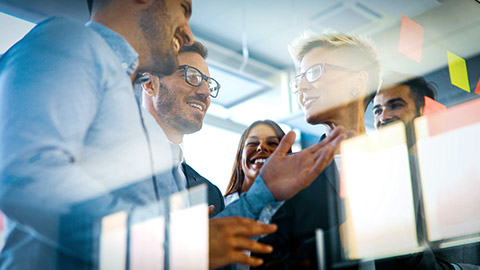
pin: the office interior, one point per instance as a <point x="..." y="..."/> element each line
<point x="248" y="54"/>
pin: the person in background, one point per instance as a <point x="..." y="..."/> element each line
<point x="402" y="101"/>
<point x="256" y="145"/>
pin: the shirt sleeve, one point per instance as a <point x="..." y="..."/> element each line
<point x="49" y="96"/>
<point x="251" y="203"/>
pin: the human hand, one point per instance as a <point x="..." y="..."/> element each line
<point x="229" y="238"/>
<point x="285" y="175"/>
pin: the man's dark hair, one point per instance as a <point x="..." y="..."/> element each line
<point x="196" y="47"/>
<point x="419" y="89"/>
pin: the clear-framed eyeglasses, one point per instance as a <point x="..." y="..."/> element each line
<point x="195" y="78"/>
<point x="313" y="74"/>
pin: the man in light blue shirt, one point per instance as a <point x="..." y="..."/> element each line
<point x="71" y="128"/>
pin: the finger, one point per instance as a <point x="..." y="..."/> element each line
<point x="335" y="144"/>
<point x="243" y="258"/>
<point x="285" y="144"/>
<point x="245" y="243"/>
<point x="211" y="208"/>
<point x="326" y="156"/>
<point x="244" y="226"/>
<point x="255" y="229"/>
<point x="332" y="136"/>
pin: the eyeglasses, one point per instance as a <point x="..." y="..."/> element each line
<point x="312" y="74"/>
<point x="195" y="78"/>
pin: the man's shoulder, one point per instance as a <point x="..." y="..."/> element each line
<point x="58" y="26"/>
<point x="63" y="34"/>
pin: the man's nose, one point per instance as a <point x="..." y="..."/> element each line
<point x="386" y="116"/>
<point x="203" y="90"/>
<point x="189" y="39"/>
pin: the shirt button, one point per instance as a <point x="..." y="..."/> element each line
<point x="124" y="65"/>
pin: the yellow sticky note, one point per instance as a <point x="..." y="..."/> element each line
<point x="458" y="71"/>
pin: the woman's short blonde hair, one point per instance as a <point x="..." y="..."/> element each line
<point x="360" y="51"/>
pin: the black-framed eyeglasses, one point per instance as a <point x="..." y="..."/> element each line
<point x="312" y="74"/>
<point x="195" y="78"/>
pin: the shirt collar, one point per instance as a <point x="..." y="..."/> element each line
<point x="177" y="152"/>
<point x="124" y="51"/>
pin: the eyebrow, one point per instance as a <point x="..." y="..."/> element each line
<point x="391" y="101"/>
<point x="189" y="7"/>
<point x="268" y="138"/>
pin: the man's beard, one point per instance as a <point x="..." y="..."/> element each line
<point x="162" y="56"/>
<point x="166" y="106"/>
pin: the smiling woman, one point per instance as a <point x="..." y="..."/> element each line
<point x="256" y="145"/>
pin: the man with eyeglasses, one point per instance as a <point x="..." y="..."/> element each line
<point x="179" y="103"/>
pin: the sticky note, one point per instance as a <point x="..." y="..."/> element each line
<point x="432" y="106"/>
<point x="458" y="71"/>
<point x="410" y="42"/>
<point x="477" y="89"/>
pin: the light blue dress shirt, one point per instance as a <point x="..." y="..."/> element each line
<point x="71" y="132"/>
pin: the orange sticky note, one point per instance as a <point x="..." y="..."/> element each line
<point x="410" y="42"/>
<point x="432" y="106"/>
<point x="477" y="89"/>
<point x="458" y="71"/>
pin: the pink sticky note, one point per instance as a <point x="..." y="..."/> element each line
<point x="477" y="89"/>
<point x="411" y="39"/>
<point x="432" y="106"/>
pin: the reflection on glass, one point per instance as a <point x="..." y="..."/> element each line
<point x="448" y="149"/>
<point x="376" y="185"/>
<point x="188" y="241"/>
<point x="113" y="242"/>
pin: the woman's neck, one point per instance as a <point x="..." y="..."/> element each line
<point x="350" y="118"/>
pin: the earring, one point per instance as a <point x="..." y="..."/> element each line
<point x="354" y="93"/>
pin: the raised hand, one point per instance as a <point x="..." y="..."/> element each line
<point x="285" y="175"/>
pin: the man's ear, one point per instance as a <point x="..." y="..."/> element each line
<point x="151" y="87"/>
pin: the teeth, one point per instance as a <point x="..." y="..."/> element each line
<point x="308" y="101"/>
<point x="260" y="160"/>
<point x="196" y="106"/>
<point x="176" y="44"/>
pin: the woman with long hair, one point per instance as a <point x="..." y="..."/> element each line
<point x="256" y="144"/>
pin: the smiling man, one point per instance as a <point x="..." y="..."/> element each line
<point x="72" y="130"/>
<point x="403" y="101"/>
<point x="179" y="103"/>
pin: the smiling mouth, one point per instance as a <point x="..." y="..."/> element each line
<point x="177" y="45"/>
<point x="309" y="101"/>
<point x="259" y="160"/>
<point x="196" y="106"/>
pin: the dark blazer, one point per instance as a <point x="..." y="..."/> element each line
<point x="215" y="197"/>
<point x="313" y="207"/>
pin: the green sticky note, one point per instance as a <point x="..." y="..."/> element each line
<point x="458" y="71"/>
